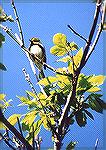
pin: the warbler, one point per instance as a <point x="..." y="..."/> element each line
<point x="37" y="49"/>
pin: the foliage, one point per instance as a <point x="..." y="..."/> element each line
<point x="46" y="110"/>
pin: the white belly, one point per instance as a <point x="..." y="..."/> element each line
<point x="36" y="50"/>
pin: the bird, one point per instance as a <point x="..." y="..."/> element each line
<point x="37" y="49"/>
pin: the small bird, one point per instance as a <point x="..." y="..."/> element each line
<point x="37" y="49"/>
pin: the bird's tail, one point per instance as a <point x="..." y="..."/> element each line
<point x="41" y="74"/>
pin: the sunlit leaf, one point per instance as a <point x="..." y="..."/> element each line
<point x="29" y="117"/>
<point x="73" y="46"/>
<point x="47" y="81"/>
<point x="13" y="118"/>
<point x="31" y="94"/>
<point x="2" y="126"/>
<point x="97" y="80"/>
<point x="58" y="51"/>
<point x="60" y="40"/>
<point x="2" y="96"/>
<point x="94" y="89"/>
<point x="77" y="58"/>
<point x="70" y="67"/>
<point x="64" y="59"/>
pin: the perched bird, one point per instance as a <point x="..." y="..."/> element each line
<point x="37" y="49"/>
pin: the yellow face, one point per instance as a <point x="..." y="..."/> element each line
<point x="34" y="40"/>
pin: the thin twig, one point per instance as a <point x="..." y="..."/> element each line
<point x="7" y="142"/>
<point x="18" y="21"/>
<point x="96" y="143"/>
<point x="77" y="33"/>
<point x="19" y="125"/>
<point x="27" y="78"/>
<point x="33" y="137"/>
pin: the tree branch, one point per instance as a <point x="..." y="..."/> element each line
<point x="72" y="93"/>
<point x="77" y="33"/>
<point x="86" y="49"/>
<point x="18" y="22"/>
<point x="98" y="33"/>
<point x="14" y="131"/>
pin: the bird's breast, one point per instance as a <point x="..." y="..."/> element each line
<point x="36" y="50"/>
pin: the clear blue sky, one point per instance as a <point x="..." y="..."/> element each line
<point x="43" y="20"/>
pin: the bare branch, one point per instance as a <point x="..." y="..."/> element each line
<point x="18" y="21"/>
<point x="27" y="78"/>
<point x="96" y="143"/>
<point x="87" y="46"/>
<point x="77" y="33"/>
<point x="98" y="33"/>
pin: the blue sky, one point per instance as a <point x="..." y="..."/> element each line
<point x="43" y="20"/>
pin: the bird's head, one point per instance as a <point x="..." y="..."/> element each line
<point x="34" y="40"/>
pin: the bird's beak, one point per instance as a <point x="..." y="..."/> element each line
<point x="30" y="40"/>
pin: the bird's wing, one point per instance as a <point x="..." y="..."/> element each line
<point x="44" y="54"/>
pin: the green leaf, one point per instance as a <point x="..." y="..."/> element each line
<point x="81" y="118"/>
<point x="60" y="40"/>
<point x="2" y="39"/>
<point x="89" y="114"/>
<point x="13" y="118"/>
<point x="71" y="145"/>
<point x="94" y="105"/>
<point x="73" y="46"/>
<point x="2" y="67"/>
<point x="37" y="127"/>
<point x="58" y="51"/>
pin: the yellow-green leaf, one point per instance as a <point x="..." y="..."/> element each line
<point x="29" y="117"/>
<point x="64" y="59"/>
<point x="47" y="81"/>
<point x="58" y="51"/>
<point x="70" y="68"/>
<point x="73" y="46"/>
<point x="77" y="57"/>
<point x="2" y="96"/>
<point x="94" y="89"/>
<point x="2" y="126"/>
<point x="60" y="40"/>
<point x="31" y="94"/>
<point x="13" y="118"/>
<point x="97" y="80"/>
